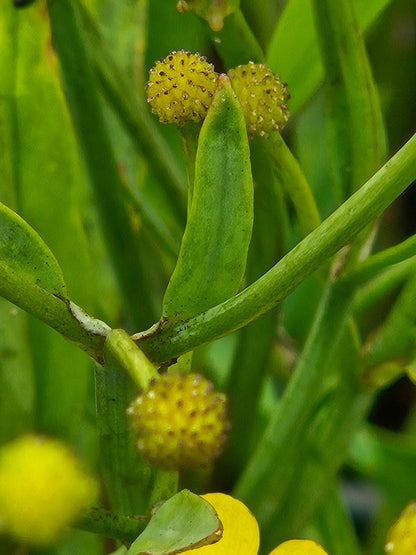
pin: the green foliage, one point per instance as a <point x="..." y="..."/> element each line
<point x="132" y="247"/>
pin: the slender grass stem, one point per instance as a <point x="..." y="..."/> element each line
<point x="294" y="183"/>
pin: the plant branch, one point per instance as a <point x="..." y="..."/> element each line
<point x="164" y="341"/>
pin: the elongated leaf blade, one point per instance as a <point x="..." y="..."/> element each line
<point x="214" y="247"/>
<point x="24" y="258"/>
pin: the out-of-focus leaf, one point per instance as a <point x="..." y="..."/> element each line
<point x="184" y="522"/>
<point x="16" y="374"/>
<point x="50" y="194"/>
<point x="293" y="52"/>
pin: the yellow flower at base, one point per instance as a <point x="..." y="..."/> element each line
<point x="401" y="539"/>
<point x="241" y="532"/>
<point x="42" y="489"/>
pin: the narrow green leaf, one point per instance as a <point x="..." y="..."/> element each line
<point x="25" y="259"/>
<point x="16" y="373"/>
<point x="293" y="52"/>
<point x="358" y="142"/>
<point x="31" y="278"/>
<point x="214" y="247"/>
<point x="185" y="521"/>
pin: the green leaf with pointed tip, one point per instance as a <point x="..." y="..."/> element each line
<point x="213" y="253"/>
<point x="24" y="258"/>
<point x="185" y="521"/>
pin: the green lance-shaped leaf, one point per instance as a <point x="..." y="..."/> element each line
<point x="185" y="521"/>
<point x="213" y="253"/>
<point x="31" y="278"/>
<point x="24" y="258"/>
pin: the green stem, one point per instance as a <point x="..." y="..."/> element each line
<point x="383" y="285"/>
<point x="294" y="183"/>
<point x="60" y="314"/>
<point x="86" y="110"/>
<point x="111" y="525"/>
<point x="369" y="268"/>
<point x="127" y="477"/>
<point x="163" y="343"/>
<point x="396" y="338"/>
<point x="122" y="351"/>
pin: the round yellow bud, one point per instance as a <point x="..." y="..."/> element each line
<point x="181" y="87"/>
<point x="42" y="489"/>
<point x="401" y="539"/>
<point x="299" y="547"/>
<point x="263" y="98"/>
<point x="180" y="421"/>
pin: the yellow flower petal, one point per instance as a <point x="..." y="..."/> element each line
<point x="241" y="531"/>
<point x="299" y="547"/>
<point x="401" y="539"/>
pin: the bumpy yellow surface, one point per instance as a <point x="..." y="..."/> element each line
<point x="42" y="489"/>
<point x="401" y="539"/>
<point x="263" y="98"/>
<point x="180" y="421"/>
<point x="181" y="87"/>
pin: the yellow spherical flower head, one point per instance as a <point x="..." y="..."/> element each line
<point x="401" y="539"/>
<point x="181" y="87"/>
<point x="180" y="421"/>
<point x="263" y="98"/>
<point x="42" y="489"/>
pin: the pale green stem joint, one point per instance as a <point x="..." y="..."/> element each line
<point x="121" y="350"/>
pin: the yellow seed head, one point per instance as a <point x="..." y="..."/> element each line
<point x="180" y="422"/>
<point x="401" y="539"/>
<point x="263" y="98"/>
<point x="181" y="87"/>
<point x="42" y="489"/>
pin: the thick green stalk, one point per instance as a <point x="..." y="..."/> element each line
<point x="121" y="351"/>
<point x="87" y="114"/>
<point x="126" y="476"/>
<point x="337" y="230"/>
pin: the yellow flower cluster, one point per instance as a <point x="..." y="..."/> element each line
<point x="181" y="88"/>
<point x="42" y="489"/>
<point x="263" y="98"/>
<point x="180" y="421"/>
